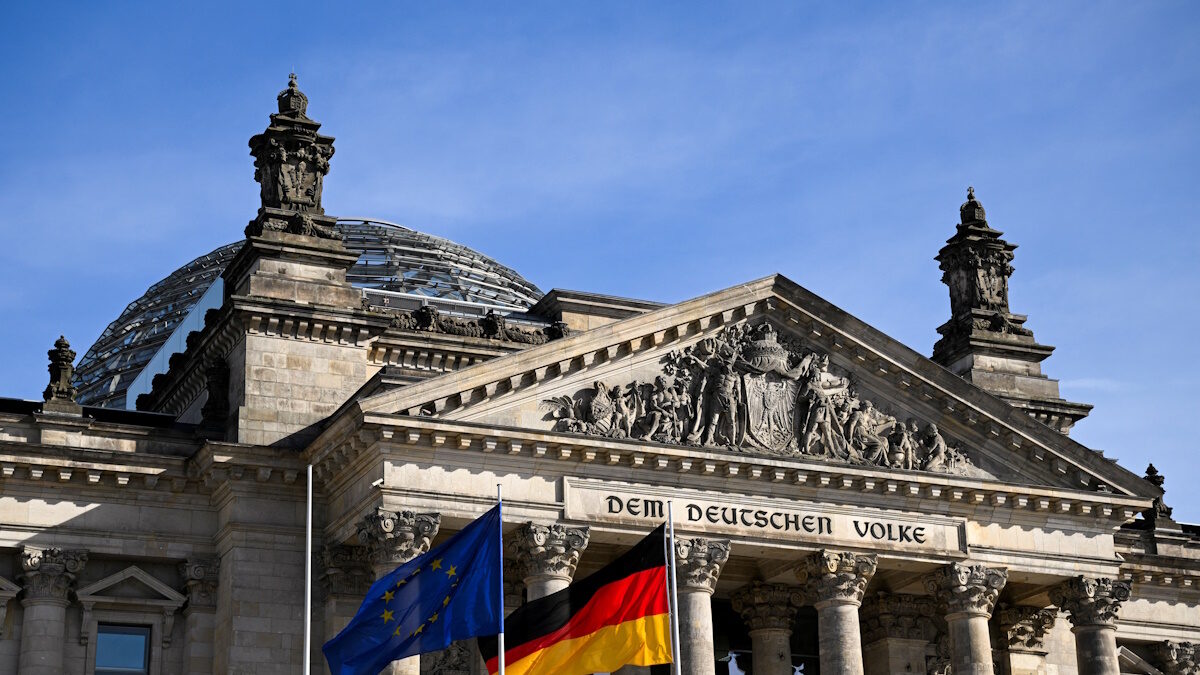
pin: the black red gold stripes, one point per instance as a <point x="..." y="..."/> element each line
<point x="617" y="616"/>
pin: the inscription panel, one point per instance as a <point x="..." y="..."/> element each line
<point x="784" y="520"/>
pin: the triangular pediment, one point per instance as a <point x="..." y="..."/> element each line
<point x="131" y="585"/>
<point x="765" y="368"/>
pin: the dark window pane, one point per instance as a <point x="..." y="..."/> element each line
<point x="122" y="650"/>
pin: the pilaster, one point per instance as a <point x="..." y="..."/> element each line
<point x="698" y="564"/>
<point x="201" y="579"/>
<point x="768" y="610"/>
<point x="896" y="632"/>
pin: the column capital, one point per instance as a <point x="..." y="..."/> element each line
<point x="898" y="616"/>
<point x="48" y="574"/>
<point x="1091" y="601"/>
<point x="837" y="577"/>
<point x="967" y="589"/>
<point x="200" y="578"/>
<point x="548" y="551"/>
<point x="698" y="562"/>
<point x="1178" y="658"/>
<point x="1023" y="629"/>
<point x="395" y="537"/>
<point x="766" y="606"/>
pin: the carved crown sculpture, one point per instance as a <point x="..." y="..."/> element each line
<point x="60" y="393"/>
<point x="290" y="163"/>
<point x="49" y="574"/>
<point x="969" y="589"/>
<point x="766" y="606"/>
<point x="549" y="550"/>
<point x="1091" y="601"/>
<point x="698" y="562"/>
<point x="836" y="576"/>
<point x="394" y="537"/>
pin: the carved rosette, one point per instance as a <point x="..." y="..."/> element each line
<point x="1091" y="601"/>
<point x="766" y="606"/>
<point x="967" y="589"/>
<point x="698" y="563"/>
<point x="1024" y="628"/>
<point x="49" y="574"/>
<point x="345" y="570"/>
<point x="836" y="576"/>
<point x="395" y="537"/>
<point x="894" y="615"/>
<point x="1178" y="658"/>
<point x="200" y="578"/>
<point x="548" y="551"/>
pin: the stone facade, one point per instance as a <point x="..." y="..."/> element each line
<point x="839" y="499"/>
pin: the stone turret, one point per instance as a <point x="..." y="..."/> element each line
<point x="984" y="342"/>
<point x="59" y="395"/>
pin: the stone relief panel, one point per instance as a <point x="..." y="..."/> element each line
<point x="749" y="390"/>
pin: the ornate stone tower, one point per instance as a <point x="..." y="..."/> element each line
<point x="984" y="342"/>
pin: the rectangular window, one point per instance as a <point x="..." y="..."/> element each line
<point x="122" y="650"/>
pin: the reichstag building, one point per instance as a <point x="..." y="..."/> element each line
<point x="845" y="504"/>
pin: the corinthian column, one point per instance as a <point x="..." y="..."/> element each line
<point x="1093" y="605"/>
<point x="392" y="539"/>
<point x="698" y="563"/>
<point x="768" y="611"/>
<point x="547" y="555"/>
<point x="1178" y="658"/>
<point x="896" y="631"/>
<point x="48" y="578"/>
<point x="969" y="593"/>
<point x="835" y="582"/>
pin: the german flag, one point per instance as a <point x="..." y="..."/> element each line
<point x="616" y="617"/>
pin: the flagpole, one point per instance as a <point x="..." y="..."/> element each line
<point x="500" y="636"/>
<point x="676" y="666"/>
<point x="308" y="511"/>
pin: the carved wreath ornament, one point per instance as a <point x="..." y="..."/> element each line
<point x="746" y="390"/>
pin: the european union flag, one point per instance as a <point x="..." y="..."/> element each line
<point x="453" y="592"/>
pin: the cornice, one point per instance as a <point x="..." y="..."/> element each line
<point x="228" y="465"/>
<point x="341" y="450"/>
<point x="89" y="467"/>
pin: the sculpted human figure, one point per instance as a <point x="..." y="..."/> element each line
<point x="661" y="410"/>
<point x="935" y="450"/>
<point x="864" y="431"/>
<point x="623" y="413"/>
<point x="820" y="427"/>
<point x="903" y="446"/>
<point x="720" y="405"/>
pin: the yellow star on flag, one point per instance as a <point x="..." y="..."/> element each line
<point x="388" y="595"/>
<point x="452" y="571"/>
<point x="433" y="619"/>
<point x="437" y="564"/>
<point x="387" y="616"/>
<point x="446" y="601"/>
<point x="419" y="629"/>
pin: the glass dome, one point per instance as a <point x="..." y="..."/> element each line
<point x="397" y="267"/>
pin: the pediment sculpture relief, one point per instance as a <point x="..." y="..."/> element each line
<point x="746" y="389"/>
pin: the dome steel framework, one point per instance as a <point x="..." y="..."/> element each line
<point x="397" y="266"/>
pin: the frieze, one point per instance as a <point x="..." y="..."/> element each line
<point x="492" y="325"/>
<point x="763" y="517"/>
<point x="748" y="390"/>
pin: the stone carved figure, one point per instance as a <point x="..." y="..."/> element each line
<point x="748" y="390"/>
<point x="492" y="326"/>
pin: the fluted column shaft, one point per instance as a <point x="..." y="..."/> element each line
<point x="546" y="556"/>
<point x="969" y="593"/>
<point x="698" y="563"/>
<point x="768" y="610"/>
<point x="394" y="538"/>
<point x="1092" y="605"/>
<point x="835" y="582"/>
<point x="48" y="577"/>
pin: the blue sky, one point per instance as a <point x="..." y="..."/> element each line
<point x="651" y="150"/>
